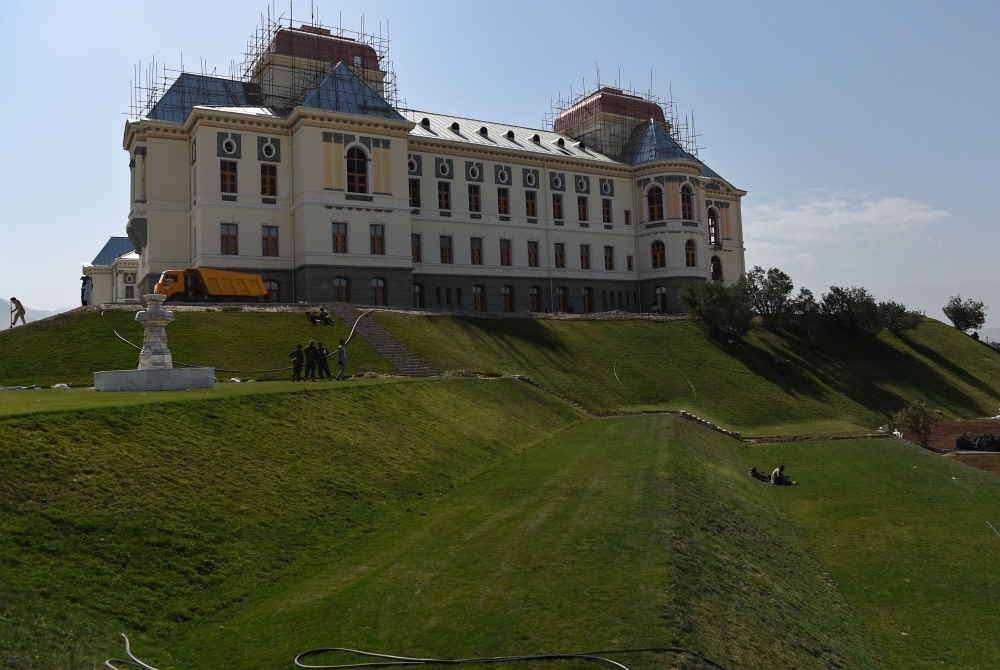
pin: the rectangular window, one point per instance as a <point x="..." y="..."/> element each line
<point x="628" y="217"/>
<point x="340" y="238"/>
<point x="503" y="201"/>
<point x="446" y="255"/>
<point x="560" y="255"/>
<point x="584" y="256"/>
<point x="532" y="254"/>
<point x="458" y="296"/>
<point x="628" y="263"/>
<point x="415" y="193"/>
<point x="606" y="209"/>
<point x="415" y="247"/>
<point x="130" y="293"/>
<point x="581" y="207"/>
<point x="437" y="295"/>
<point x="269" y="180"/>
<point x="531" y="204"/>
<point x="504" y="252"/>
<point x="476" y="247"/>
<point x="447" y="295"/>
<point x="474" y="202"/>
<point x="444" y="195"/>
<point x="557" y="210"/>
<point x="269" y="240"/>
<point x="377" y="234"/>
<point x="228" y="172"/>
<point x="230" y="239"/>
<point x="609" y="258"/>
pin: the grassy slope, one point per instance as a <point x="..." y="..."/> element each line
<point x="69" y="348"/>
<point x="616" y="533"/>
<point x="146" y="517"/>
<point x="904" y="534"/>
<point x="837" y="384"/>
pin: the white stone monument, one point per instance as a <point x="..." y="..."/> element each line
<point x="156" y="366"/>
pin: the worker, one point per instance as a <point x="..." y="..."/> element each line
<point x="312" y="360"/>
<point x="297" y="358"/>
<point x="322" y="354"/>
<point x="18" y="312"/>
<point x="342" y="360"/>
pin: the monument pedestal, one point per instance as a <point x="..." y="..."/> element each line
<point x="155" y="379"/>
<point x="156" y="366"/>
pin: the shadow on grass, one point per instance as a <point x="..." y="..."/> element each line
<point x="951" y="366"/>
<point x="512" y="335"/>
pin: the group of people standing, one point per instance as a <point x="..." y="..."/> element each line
<point x="314" y="358"/>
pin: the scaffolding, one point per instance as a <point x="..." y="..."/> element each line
<point x="604" y="117"/>
<point x="282" y="63"/>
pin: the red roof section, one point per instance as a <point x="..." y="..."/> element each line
<point x="609" y="101"/>
<point x="318" y="44"/>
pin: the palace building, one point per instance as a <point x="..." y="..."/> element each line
<point x="304" y="169"/>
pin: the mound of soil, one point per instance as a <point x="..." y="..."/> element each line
<point x="944" y="435"/>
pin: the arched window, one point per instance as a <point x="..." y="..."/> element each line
<point x="508" y="298"/>
<point x="562" y="304"/>
<point x="659" y="254"/>
<point x="357" y="170"/>
<point x="418" y="295"/>
<point x="687" y="203"/>
<point x="378" y="291"/>
<point x="716" y="269"/>
<point x="654" y="203"/>
<point x="479" y="298"/>
<point x="536" y="299"/>
<point x="689" y="259"/>
<point x="661" y="299"/>
<point x="713" y="228"/>
<point x="272" y="290"/>
<point x="588" y="302"/>
<point x="341" y="290"/>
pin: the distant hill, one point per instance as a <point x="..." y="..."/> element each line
<point x="29" y="314"/>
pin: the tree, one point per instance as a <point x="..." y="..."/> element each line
<point x="852" y="309"/>
<point x="915" y="420"/>
<point x="720" y="307"/>
<point x="965" y="315"/>
<point x="896" y="318"/>
<point x="804" y="306"/>
<point x="770" y="295"/>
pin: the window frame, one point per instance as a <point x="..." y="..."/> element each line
<point x="447" y="250"/>
<point x="583" y="208"/>
<point x="531" y="204"/>
<point x="690" y="254"/>
<point x="584" y="256"/>
<point x="557" y="207"/>
<point x="609" y="257"/>
<point x="268" y="242"/>
<point x="535" y="295"/>
<point x="559" y="252"/>
<point x="230" y="169"/>
<point x="503" y="201"/>
<point x="339" y="231"/>
<point x="476" y="250"/>
<point x="475" y="199"/>
<point x="376" y="238"/>
<point x="273" y="292"/>
<point x="479" y="298"/>
<point x="532" y="253"/>
<point x="341" y="289"/>
<point x="414" y="193"/>
<point x="229" y="238"/>
<point x="658" y="252"/>
<point x="506" y="255"/>
<point x="416" y="250"/>
<point x="655" y="210"/>
<point x="360" y="178"/>
<point x="380" y="292"/>
<point x="269" y="180"/>
<point x="607" y="210"/>
<point x="687" y="203"/>
<point x="444" y="196"/>
<point x="509" y="304"/>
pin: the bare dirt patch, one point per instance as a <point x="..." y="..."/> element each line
<point x="944" y="434"/>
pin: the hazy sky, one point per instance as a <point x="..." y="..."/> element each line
<point x="865" y="133"/>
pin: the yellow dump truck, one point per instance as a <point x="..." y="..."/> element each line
<point x="207" y="285"/>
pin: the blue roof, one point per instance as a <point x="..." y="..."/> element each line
<point x="196" y="89"/>
<point x="651" y="142"/>
<point x="345" y="92"/>
<point x="115" y="247"/>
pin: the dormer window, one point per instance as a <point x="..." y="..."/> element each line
<point x="560" y="143"/>
<point x="484" y="131"/>
<point x="425" y="122"/>
<point x="510" y="134"/>
<point x="536" y="139"/>
<point x="454" y="126"/>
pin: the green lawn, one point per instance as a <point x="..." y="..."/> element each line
<point x="69" y="348"/>
<point x="834" y="384"/>
<point x="904" y="535"/>
<point x="149" y="517"/>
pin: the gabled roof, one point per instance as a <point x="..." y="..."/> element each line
<point x="115" y="247"/>
<point x="345" y="92"/>
<point x="650" y="141"/>
<point x="190" y="90"/>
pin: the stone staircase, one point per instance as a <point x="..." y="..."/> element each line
<point x="382" y="340"/>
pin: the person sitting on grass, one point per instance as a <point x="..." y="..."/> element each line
<point x="758" y="475"/>
<point x="324" y="316"/>
<point x="778" y="477"/>
<point x="312" y="317"/>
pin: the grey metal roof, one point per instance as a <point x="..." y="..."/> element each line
<point x="116" y="246"/>
<point x="190" y="90"/>
<point x="440" y="128"/>
<point x="345" y="92"/>
<point x="650" y="142"/>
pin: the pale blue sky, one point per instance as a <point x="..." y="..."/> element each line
<point x="865" y="133"/>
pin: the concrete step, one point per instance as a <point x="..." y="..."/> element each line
<point x="383" y="341"/>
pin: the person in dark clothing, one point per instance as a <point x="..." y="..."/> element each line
<point x="322" y="354"/>
<point x="324" y="316"/>
<point x="779" y="367"/>
<point x="342" y="360"/>
<point x="297" y="359"/>
<point x="312" y="357"/>
<point x="312" y="317"/>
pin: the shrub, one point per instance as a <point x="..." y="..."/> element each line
<point x="915" y="420"/>
<point x="965" y="315"/>
<point x="770" y="295"/>
<point x="896" y="318"/>
<point x="852" y="309"/>
<point x="720" y="307"/>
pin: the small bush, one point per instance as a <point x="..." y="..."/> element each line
<point x="720" y="307"/>
<point x="915" y="419"/>
<point x="852" y="309"/>
<point x="965" y="315"/>
<point x="896" y="318"/>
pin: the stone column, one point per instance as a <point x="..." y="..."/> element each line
<point x="155" y="355"/>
